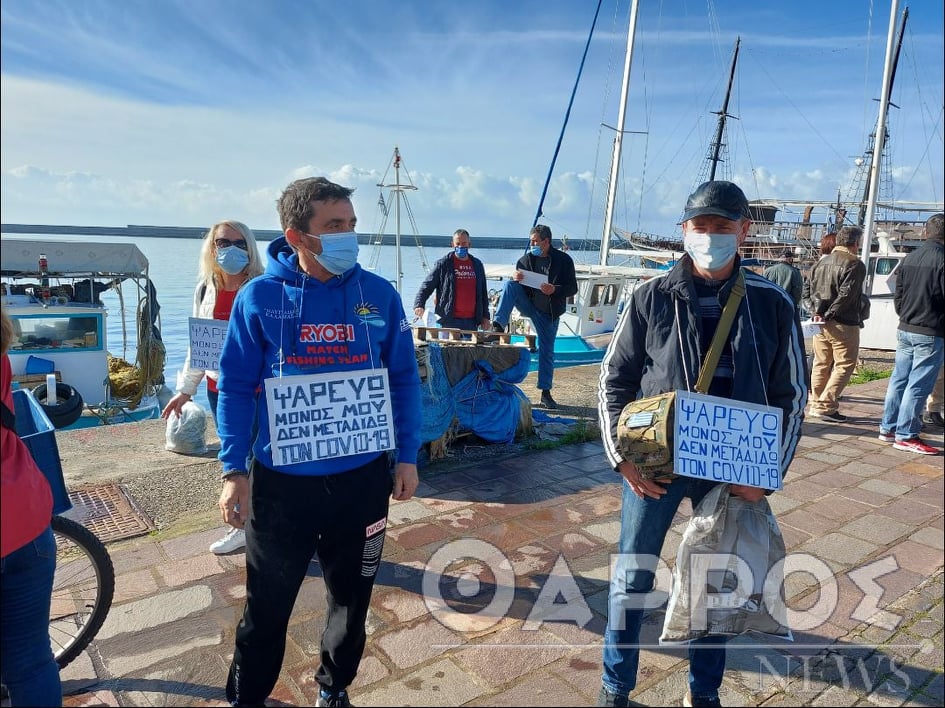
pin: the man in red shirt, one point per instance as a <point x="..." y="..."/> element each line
<point x="459" y="280"/>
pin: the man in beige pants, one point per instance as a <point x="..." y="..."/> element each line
<point x="836" y="286"/>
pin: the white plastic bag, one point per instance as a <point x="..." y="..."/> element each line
<point x="186" y="434"/>
<point x="729" y="572"/>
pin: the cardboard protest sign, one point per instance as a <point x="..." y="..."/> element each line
<point x="206" y="342"/>
<point x="727" y="441"/>
<point x="321" y="416"/>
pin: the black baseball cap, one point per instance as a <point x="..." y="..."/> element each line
<point x="719" y="198"/>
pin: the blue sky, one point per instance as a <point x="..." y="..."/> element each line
<point x="186" y="112"/>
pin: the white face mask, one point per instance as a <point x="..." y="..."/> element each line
<point x="711" y="251"/>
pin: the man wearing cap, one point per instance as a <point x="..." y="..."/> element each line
<point x="836" y="296"/>
<point x="659" y="346"/>
<point x="787" y="276"/>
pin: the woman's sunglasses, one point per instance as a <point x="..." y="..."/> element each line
<point x="226" y="243"/>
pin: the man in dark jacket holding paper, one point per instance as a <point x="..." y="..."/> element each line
<point x="659" y="346"/>
<point x="543" y="281"/>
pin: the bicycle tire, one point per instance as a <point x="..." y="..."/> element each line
<point x="83" y="588"/>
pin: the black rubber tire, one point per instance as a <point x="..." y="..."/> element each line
<point x="83" y="589"/>
<point x="68" y="407"/>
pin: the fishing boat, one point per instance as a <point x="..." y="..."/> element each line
<point x="52" y="291"/>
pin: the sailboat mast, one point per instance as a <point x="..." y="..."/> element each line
<point x="400" y="270"/>
<point x="888" y="93"/>
<point x="715" y="158"/>
<point x="880" y="141"/>
<point x="618" y="138"/>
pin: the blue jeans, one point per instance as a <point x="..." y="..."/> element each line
<point x="918" y="360"/>
<point x="546" y="326"/>
<point x="29" y="670"/>
<point x="643" y="527"/>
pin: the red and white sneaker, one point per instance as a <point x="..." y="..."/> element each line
<point x="887" y="437"/>
<point x="915" y="445"/>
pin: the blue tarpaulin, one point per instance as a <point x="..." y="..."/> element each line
<point x="489" y="404"/>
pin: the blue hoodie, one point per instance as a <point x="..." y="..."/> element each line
<point x="352" y="322"/>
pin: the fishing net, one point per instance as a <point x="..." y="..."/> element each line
<point x="129" y="383"/>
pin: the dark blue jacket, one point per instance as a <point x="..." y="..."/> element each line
<point x="443" y="279"/>
<point x="560" y="271"/>
<point x="656" y="348"/>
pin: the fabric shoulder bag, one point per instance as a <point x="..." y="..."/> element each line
<point x="645" y="426"/>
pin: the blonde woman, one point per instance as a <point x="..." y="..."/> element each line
<point x="229" y="259"/>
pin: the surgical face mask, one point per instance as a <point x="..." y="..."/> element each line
<point x="339" y="251"/>
<point x="711" y="251"/>
<point x="535" y="250"/>
<point x="461" y="251"/>
<point x="232" y="260"/>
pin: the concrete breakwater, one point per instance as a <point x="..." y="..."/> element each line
<point x="197" y="232"/>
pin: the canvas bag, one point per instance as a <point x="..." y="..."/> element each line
<point x="645" y="426"/>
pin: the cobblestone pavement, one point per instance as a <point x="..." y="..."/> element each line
<point x="479" y="560"/>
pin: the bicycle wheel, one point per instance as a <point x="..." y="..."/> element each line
<point x="82" y="589"/>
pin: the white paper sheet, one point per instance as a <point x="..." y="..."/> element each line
<point x="531" y="279"/>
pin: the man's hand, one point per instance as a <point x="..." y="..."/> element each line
<point x="641" y="487"/>
<point x="234" y="500"/>
<point x="176" y="404"/>
<point x="749" y="494"/>
<point x="486" y="324"/>
<point x="405" y="481"/>
<point x="518" y="276"/>
<point x="548" y="288"/>
<point x="418" y="311"/>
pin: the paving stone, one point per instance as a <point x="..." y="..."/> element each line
<point x="439" y="684"/>
<point x="917" y="557"/>
<point x="543" y="689"/>
<point x="840" y="548"/>
<point x="155" y="611"/>
<point x="928" y="536"/>
<point x="877" y="531"/>
<point x="881" y="486"/>
<point x="406" y="511"/>
<point x="510" y="653"/>
<point x="134" y="585"/>
<point x="189" y="570"/>
<point x="414" y="645"/>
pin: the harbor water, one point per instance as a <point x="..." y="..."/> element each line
<point x="173" y="270"/>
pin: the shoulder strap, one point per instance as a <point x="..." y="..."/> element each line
<point x="202" y="292"/>
<point x="721" y="334"/>
<point x="7" y="417"/>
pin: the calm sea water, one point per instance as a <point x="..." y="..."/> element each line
<point x="173" y="270"/>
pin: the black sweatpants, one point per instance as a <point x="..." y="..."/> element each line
<point x="342" y="517"/>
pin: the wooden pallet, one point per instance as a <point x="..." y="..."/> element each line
<point x="468" y="336"/>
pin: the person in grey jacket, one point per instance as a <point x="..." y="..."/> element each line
<point x="459" y="281"/>
<point x="658" y="347"/>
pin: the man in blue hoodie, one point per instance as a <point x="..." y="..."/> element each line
<point x="329" y="350"/>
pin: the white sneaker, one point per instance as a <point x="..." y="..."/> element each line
<point x="234" y="540"/>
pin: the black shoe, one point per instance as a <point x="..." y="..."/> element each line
<point x="690" y="701"/>
<point x="547" y="401"/>
<point x="326" y="698"/>
<point x="497" y="327"/>
<point x="607" y="698"/>
<point x="834" y="417"/>
<point x="933" y="420"/>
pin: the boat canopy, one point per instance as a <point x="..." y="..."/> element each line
<point x="20" y="258"/>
